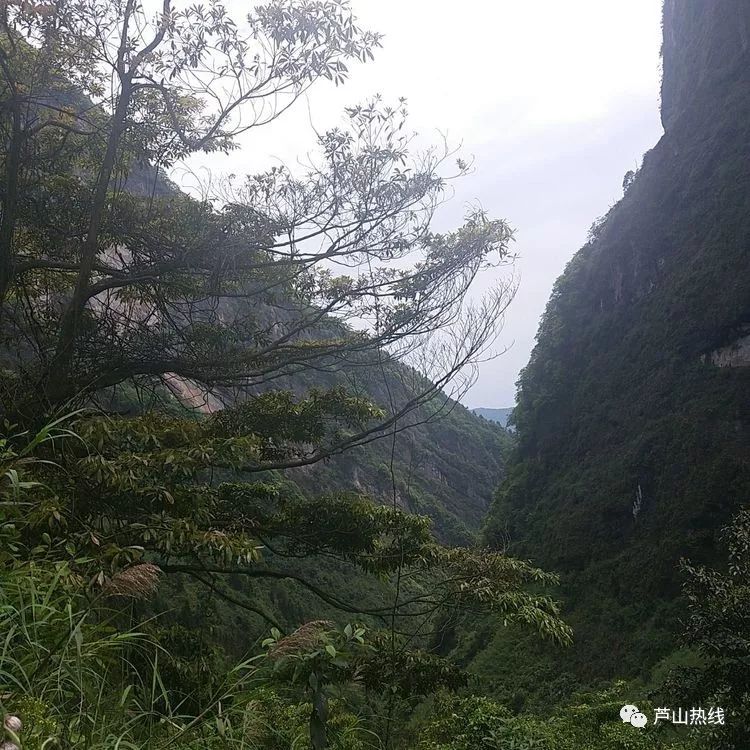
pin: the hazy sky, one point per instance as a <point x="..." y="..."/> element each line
<point x="555" y="100"/>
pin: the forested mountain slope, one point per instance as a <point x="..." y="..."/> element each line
<point x="633" y="413"/>
<point x="444" y="461"/>
<point x="445" y="468"/>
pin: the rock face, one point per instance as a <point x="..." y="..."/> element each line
<point x="637" y="389"/>
<point x="706" y="42"/>
<point x="735" y="354"/>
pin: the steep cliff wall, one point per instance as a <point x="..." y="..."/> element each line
<point x="634" y="440"/>
<point x="706" y="43"/>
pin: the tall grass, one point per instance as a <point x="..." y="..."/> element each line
<point x="78" y="680"/>
<point x="61" y="664"/>
<point x="70" y="664"/>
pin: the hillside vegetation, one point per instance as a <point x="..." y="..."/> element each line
<point x="633" y="415"/>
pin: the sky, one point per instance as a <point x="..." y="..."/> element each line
<point x="554" y="100"/>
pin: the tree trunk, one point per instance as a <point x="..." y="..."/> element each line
<point x="10" y="203"/>
<point x="318" y="720"/>
<point x="58" y="386"/>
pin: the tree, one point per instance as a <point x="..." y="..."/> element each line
<point x="231" y="292"/>
<point x="112" y="282"/>
<point x="718" y="627"/>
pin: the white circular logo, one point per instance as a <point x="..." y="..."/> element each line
<point x="638" y="720"/>
<point x="626" y="712"/>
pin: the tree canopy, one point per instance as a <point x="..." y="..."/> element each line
<point x="125" y="304"/>
<point x="335" y="267"/>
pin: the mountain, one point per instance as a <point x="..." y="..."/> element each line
<point x="633" y="416"/>
<point x="500" y="416"/>
<point x="446" y="461"/>
<point x="446" y="468"/>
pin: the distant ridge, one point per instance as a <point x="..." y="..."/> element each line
<point x="500" y="416"/>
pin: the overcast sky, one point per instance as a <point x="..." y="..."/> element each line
<point x="555" y="100"/>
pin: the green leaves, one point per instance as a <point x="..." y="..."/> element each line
<point x="283" y="419"/>
<point x="717" y="626"/>
<point x="317" y="657"/>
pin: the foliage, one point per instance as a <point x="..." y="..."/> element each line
<point x="107" y="507"/>
<point x="718" y="626"/>
<point x="131" y="492"/>
<point x="317" y="656"/>
<point x="591" y="721"/>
